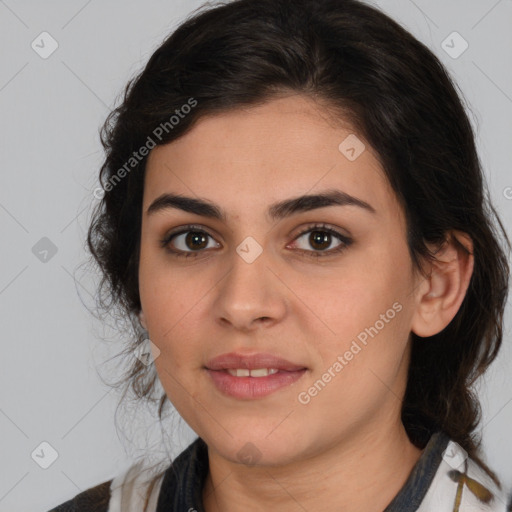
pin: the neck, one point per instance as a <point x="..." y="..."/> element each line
<point x="362" y="473"/>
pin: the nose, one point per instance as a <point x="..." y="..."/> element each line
<point x="250" y="295"/>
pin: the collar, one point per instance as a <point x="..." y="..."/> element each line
<point x="183" y="482"/>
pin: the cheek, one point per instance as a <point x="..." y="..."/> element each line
<point x="366" y="308"/>
<point x="174" y="306"/>
<point x="354" y="297"/>
<point x="166" y="293"/>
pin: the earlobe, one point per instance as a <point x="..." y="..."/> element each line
<point x="142" y="320"/>
<point x="440" y="295"/>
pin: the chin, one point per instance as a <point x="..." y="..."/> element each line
<point x="254" y="450"/>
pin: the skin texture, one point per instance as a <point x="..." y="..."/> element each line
<point x="346" y="449"/>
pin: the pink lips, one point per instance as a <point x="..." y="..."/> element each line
<point x="252" y="387"/>
<point x="264" y="360"/>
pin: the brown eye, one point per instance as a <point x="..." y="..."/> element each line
<point x="320" y="238"/>
<point x="196" y="240"/>
<point x="187" y="242"/>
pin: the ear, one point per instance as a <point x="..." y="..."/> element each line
<point x="439" y="296"/>
<point x="142" y="320"/>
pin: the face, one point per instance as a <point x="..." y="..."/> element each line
<point x="326" y="285"/>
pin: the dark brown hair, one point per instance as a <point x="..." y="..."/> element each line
<point x="368" y="69"/>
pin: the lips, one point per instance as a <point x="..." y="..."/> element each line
<point x="252" y="387"/>
<point x="234" y="360"/>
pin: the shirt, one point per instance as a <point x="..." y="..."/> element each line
<point x="444" y="479"/>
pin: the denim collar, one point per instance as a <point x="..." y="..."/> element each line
<point x="411" y="495"/>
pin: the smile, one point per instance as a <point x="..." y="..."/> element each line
<point x="253" y="384"/>
<point x="244" y="372"/>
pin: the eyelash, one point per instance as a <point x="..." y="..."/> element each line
<point x="346" y="242"/>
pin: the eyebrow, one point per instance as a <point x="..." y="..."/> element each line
<point x="276" y="211"/>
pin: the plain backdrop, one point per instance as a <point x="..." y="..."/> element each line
<point x="54" y="408"/>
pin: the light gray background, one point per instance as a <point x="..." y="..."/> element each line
<point x="50" y="111"/>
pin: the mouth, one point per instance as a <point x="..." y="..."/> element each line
<point x="238" y="361"/>
<point x="252" y="376"/>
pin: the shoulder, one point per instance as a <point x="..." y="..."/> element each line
<point x="136" y="489"/>
<point x="461" y="484"/>
<point x="94" y="499"/>
<point x="481" y="489"/>
<point x="125" y="493"/>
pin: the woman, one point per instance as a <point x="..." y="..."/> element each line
<point x="294" y="211"/>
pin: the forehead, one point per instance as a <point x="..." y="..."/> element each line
<point x="251" y="157"/>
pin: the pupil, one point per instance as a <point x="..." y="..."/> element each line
<point x="321" y="238"/>
<point x="193" y="237"/>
